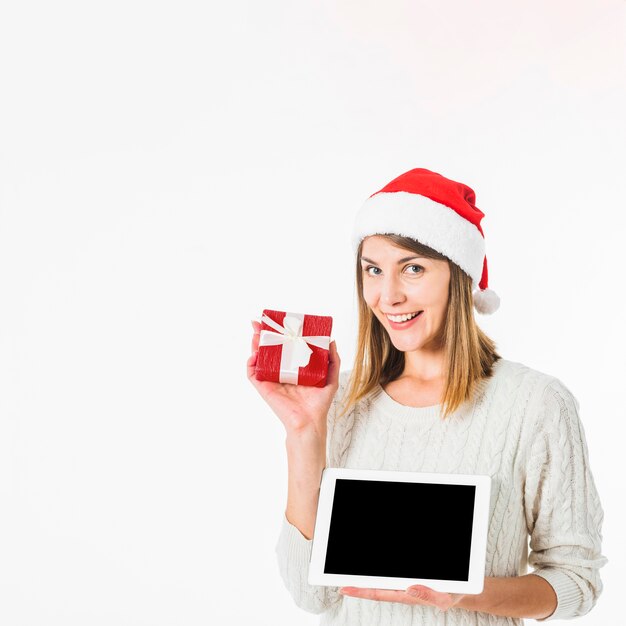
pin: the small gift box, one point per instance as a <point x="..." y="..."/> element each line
<point x="293" y="348"/>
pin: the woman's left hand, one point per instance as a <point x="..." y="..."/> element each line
<point x="416" y="594"/>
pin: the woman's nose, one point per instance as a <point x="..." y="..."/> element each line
<point x="391" y="291"/>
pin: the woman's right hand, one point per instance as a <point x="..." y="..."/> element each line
<point x="302" y="409"/>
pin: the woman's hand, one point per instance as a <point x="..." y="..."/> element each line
<point x="416" y="594"/>
<point x="301" y="408"/>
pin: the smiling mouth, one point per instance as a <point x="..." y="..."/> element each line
<point x="402" y="319"/>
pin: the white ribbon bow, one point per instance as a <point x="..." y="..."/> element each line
<point x="296" y="352"/>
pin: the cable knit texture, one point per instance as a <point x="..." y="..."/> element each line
<point x="523" y="430"/>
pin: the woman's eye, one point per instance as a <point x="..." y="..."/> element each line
<point x="420" y="268"/>
<point x="370" y="267"/>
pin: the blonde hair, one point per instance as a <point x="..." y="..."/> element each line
<point x="469" y="353"/>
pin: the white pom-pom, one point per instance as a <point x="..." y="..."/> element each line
<point x="486" y="301"/>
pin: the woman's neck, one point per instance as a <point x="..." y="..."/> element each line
<point x="424" y="366"/>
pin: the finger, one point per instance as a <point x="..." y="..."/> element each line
<point x="382" y="595"/>
<point x="421" y="592"/>
<point x="334" y="363"/>
<point x="427" y="595"/>
<point x="256" y="336"/>
<point x="251" y="366"/>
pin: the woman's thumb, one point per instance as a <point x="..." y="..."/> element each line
<point x="333" y="363"/>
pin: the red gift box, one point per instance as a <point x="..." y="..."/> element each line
<point x="293" y="348"/>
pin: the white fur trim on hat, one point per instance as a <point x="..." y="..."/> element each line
<point x="429" y="222"/>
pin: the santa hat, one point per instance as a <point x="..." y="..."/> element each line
<point x="439" y="213"/>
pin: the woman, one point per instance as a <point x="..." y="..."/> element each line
<point x="428" y="392"/>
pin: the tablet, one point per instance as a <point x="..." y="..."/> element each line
<point x="390" y="530"/>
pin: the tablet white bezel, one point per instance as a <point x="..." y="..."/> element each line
<point x="473" y="585"/>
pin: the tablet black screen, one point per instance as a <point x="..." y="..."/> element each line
<point x="400" y="529"/>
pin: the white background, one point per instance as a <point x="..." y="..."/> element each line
<point x="169" y="170"/>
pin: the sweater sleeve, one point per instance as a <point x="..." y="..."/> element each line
<point x="294" y="553"/>
<point x="293" y="549"/>
<point x="563" y="511"/>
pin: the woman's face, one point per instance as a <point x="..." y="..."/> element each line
<point x="397" y="281"/>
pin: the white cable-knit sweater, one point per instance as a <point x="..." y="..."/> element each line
<point x="523" y="430"/>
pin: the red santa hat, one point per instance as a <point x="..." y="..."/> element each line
<point x="439" y="213"/>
